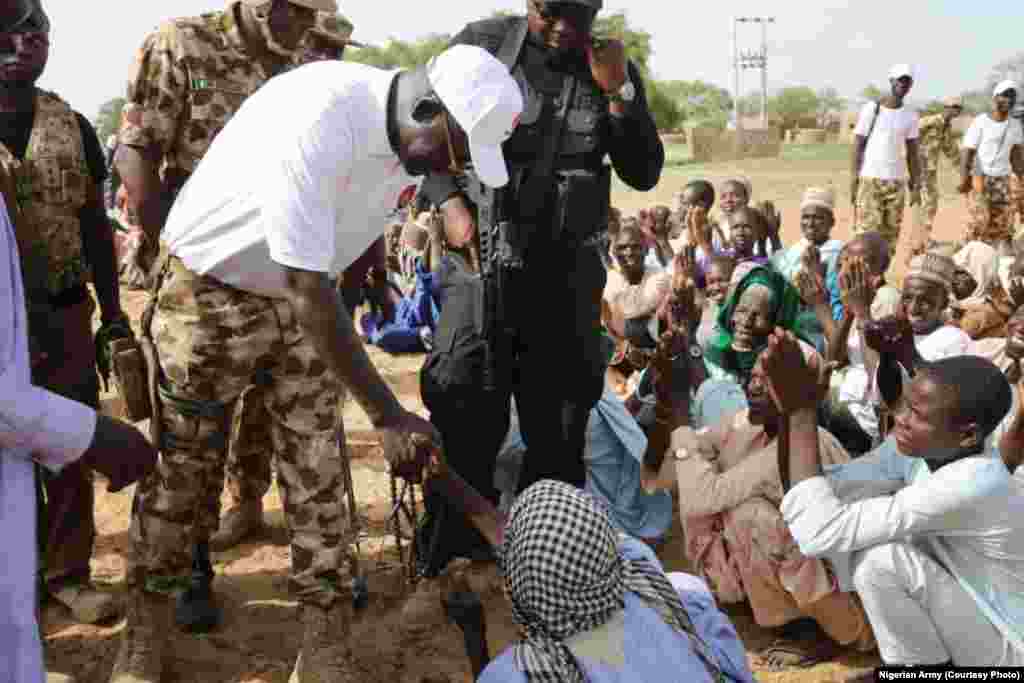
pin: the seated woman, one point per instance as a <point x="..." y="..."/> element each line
<point x="594" y="606"/>
<point x="980" y="306"/>
<point x="729" y="496"/>
<point x="761" y="301"/>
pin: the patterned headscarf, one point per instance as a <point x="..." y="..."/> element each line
<point x="785" y="311"/>
<point x="564" y="576"/>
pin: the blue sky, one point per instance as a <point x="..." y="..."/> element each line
<point x="838" y="43"/>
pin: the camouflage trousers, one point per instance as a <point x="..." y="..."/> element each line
<point x="880" y="208"/>
<point x="990" y="216"/>
<point x="930" y="191"/>
<point x="1016" y="201"/>
<point x="230" y="360"/>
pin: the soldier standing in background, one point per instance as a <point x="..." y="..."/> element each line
<point x="936" y="140"/>
<point x="65" y="239"/>
<point x="190" y="77"/>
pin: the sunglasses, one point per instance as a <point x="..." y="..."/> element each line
<point x="13" y="42"/>
<point x="571" y="12"/>
<point x="454" y="165"/>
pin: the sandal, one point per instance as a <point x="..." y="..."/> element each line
<point x="793" y="654"/>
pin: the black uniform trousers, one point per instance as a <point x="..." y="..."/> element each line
<point x="551" y="359"/>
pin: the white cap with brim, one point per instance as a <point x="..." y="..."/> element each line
<point x="1003" y="86"/>
<point x="478" y="91"/>
<point x="901" y="70"/>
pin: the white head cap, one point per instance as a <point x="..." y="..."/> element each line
<point x="1003" y="86"/>
<point x="901" y="70"/>
<point x="483" y="97"/>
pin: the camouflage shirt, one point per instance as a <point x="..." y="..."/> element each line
<point x="189" y="78"/>
<point x="937" y="138"/>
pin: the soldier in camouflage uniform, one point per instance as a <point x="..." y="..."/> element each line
<point x="1016" y="186"/>
<point x="264" y="337"/>
<point x="878" y="181"/>
<point x="937" y="140"/>
<point x="992" y="150"/>
<point x="65" y="240"/>
<point x="189" y="78"/>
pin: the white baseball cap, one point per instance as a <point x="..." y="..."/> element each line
<point x="901" y="70"/>
<point x="1003" y="86"/>
<point x="483" y="97"/>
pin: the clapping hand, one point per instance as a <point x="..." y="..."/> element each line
<point x="811" y="288"/>
<point x="1017" y="291"/>
<point x="855" y="287"/>
<point x="790" y="374"/>
<point x="892" y="336"/>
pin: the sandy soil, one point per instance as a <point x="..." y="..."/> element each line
<point x="260" y="636"/>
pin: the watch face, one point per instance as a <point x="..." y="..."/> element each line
<point x="696" y="351"/>
<point x="628" y="92"/>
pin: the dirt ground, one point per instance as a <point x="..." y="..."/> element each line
<point x="259" y="638"/>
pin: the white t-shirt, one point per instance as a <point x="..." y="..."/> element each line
<point x="885" y="154"/>
<point x="993" y="141"/>
<point x="302" y="176"/>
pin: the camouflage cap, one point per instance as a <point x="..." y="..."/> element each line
<point x="321" y="5"/>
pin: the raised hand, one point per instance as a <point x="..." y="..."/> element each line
<point x="856" y="288"/>
<point x="811" y="260"/>
<point x="789" y="374"/>
<point x="1017" y="291"/>
<point x="607" y="60"/>
<point x="697" y="226"/>
<point x="892" y="335"/>
<point x="811" y="287"/>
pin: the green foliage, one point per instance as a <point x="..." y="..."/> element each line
<point x="667" y="113"/>
<point x="750" y="103"/>
<point x="108" y="120"/>
<point x="872" y="92"/>
<point x="701" y="104"/>
<point x="638" y="43"/>
<point x="793" y="104"/>
<point x="829" y="100"/>
<point x="400" y="53"/>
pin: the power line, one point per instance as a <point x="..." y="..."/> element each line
<point x="751" y="59"/>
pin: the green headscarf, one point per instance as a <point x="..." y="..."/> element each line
<point x="786" y="306"/>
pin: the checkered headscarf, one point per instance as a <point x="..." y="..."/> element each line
<point x="564" y="576"/>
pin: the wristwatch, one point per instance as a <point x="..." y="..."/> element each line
<point x="625" y="94"/>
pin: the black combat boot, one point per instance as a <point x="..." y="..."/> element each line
<point x="196" y="611"/>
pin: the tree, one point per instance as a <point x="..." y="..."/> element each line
<point x="792" y="105"/>
<point x="400" y="54"/>
<point x="872" y="92"/>
<point x="108" y="120"/>
<point x="701" y="103"/>
<point x="667" y="113"/>
<point x="638" y="43"/>
<point x="751" y="103"/>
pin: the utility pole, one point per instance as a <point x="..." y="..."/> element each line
<point x="736" y="78"/>
<point x="755" y="59"/>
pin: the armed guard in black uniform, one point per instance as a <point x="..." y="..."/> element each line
<point x="530" y="326"/>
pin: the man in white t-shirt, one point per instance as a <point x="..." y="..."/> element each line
<point x="884" y="149"/>
<point x="991" y="150"/>
<point x="248" y="323"/>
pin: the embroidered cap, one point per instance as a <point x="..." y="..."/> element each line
<point x="934" y="268"/>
